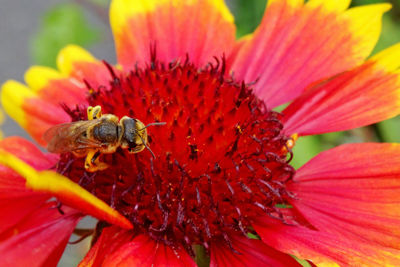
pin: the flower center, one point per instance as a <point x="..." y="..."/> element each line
<point x="220" y="160"/>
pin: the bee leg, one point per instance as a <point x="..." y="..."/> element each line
<point x="95" y="157"/>
<point x="92" y="162"/>
<point x="94" y="112"/>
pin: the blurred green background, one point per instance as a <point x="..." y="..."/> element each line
<point x="85" y="22"/>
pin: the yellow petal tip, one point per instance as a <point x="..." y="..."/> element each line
<point x="365" y="24"/>
<point x="122" y="10"/>
<point x="224" y="10"/>
<point x="37" y="77"/>
<point x="71" y="54"/>
<point x="330" y="5"/>
<point x="388" y="58"/>
<point x="13" y="95"/>
<point x="64" y="189"/>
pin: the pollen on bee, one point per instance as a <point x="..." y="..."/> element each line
<point x="239" y="129"/>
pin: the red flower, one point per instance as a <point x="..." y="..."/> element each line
<point x="221" y="170"/>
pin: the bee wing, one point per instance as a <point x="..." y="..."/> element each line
<point x="68" y="137"/>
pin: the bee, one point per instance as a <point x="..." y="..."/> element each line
<point x="100" y="134"/>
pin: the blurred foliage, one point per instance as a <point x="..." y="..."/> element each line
<point x="366" y="2"/>
<point x="304" y="263"/>
<point x="61" y="25"/>
<point x="102" y="3"/>
<point x="390" y="130"/>
<point x="248" y="14"/>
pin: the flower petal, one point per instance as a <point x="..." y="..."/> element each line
<point x="298" y="44"/>
<point x="111" y="239"/>
<point x="65" y="190"/>
<point x="40" y="239"/>
<point x="28" y="152"/>
<point x="80" y="66"/>
<point x="75" y="65"/>
<point x="322" y="248"/>
<point x="144" y="251"/>
<point x="38" y="106"/>
<point x="352" y="191"/>
<point x="330" y="5"/>
<point x="13" y="95"/>
<point x="116" y="247"/>
<point x="69" y="56"/>
<point x="200" y="29"/>
<point x="54" y="87"/>
<point x="362" y="96"/>
<point x="31" y="112"/>
<point x="250" y="252"/>
<point x="17" y="201"/>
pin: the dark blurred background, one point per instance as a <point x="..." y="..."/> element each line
<point x="32" y="32"/>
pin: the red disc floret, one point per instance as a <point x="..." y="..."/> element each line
<point x="220" y="160"/>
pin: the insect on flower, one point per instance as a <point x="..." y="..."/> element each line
<point x="100" y="134"/>
<point x="223" y="191"/>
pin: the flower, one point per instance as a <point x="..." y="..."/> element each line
<point x="221" y="172"/>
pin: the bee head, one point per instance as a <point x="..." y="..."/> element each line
<point x="134" y="135"/>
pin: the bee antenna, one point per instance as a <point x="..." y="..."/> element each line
<point x="148" y="148"/>
<point x="152" y="124"/>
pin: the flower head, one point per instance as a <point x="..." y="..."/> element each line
<point x="218" y="175"/>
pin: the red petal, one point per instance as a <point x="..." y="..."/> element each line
<point x="39" y="120"/>
<point x="40" y="239"/>
<point x="199" y="29"/>
<point x="16" y="201"/>
<point x="322" y="247"/>
<point x="80" y="65"/>
<point x="250" y="252"/>
<point x="363" y="96"/>
<point x="64" y="189"/>
<point x="22" y="195"/>
<point x="110" y="240"/>
<point x="16" y="207"/>
<point x="298" y="44"/>
<point x="144" y="251"/>
<point x="352" y="191"/>
<point x="116" y="247"/>
<point x="55" y="87"/>
<point x="28" y="152"/>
